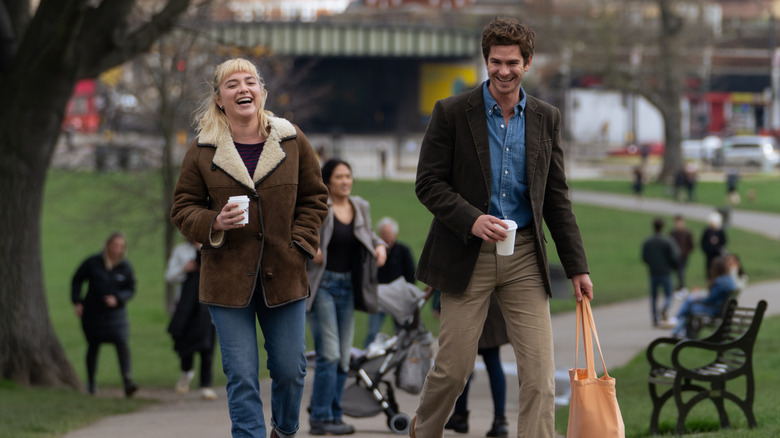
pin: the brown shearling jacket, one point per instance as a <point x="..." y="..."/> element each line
<point x="453" y="182"/>
<point x="287" y="204"/>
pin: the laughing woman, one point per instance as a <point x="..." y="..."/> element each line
<point x="256" y="270"/>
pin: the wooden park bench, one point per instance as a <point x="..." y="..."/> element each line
<point x="732" y="345"/>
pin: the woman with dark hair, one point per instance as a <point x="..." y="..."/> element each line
<point x="721" y="285"/>
<point x="102" y="311"/>
<point x="343" y="278"/>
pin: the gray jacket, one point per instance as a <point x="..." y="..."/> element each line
<point x="364" y="276"/>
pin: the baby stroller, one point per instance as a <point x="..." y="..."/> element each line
<point x="407" y="353"/>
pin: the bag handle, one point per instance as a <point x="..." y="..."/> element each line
<point x="586" y="323"/>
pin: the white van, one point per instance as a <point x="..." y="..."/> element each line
<point x="749" y="150"/>
<point x="703" y="150"/>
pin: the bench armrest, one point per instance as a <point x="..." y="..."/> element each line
<point x="654" y="364"/>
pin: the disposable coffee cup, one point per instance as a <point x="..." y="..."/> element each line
<point x="243" y="204"/>
<point x="506" y="247"/>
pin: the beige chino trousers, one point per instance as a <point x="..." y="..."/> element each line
<point x="524" y="303"/>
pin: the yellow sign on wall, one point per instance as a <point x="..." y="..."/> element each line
<point x="438" y="81"/>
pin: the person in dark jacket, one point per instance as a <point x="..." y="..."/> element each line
<point x="684" y="239"/>
<point x="661" y="255"/>
<point x="491" y="154"/>
<point x="400" y="263"/>
<point x="713" y="240"/>
<point x="193" y="332"/>
<point x="102" y="310"/>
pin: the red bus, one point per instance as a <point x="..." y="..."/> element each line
<point x="81" y="114"/>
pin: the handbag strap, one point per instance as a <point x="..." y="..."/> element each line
<point x="586" y="323"/>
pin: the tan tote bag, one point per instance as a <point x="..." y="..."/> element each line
<point x="593" y="407"/>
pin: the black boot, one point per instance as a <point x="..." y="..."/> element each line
<point x="130" y="388"/>
<point x="499" y="428"/>
<point x="459" y="423"/>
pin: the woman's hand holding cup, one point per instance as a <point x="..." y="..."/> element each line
<point x="229" y="218"/>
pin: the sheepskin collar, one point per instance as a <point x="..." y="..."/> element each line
<point x="227" y="158"/>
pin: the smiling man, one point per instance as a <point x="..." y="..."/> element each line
<point x="493" y="154"/>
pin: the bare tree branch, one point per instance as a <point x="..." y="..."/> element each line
<point x="100" y="57"/>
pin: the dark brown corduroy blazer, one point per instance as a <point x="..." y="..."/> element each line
<point x="453" y="182"/>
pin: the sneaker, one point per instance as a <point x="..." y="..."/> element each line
<point x="331" y="428"/>
<point x="183" y="385"/>
<point x="208" y="394"/>
<point x="350" y="428"/>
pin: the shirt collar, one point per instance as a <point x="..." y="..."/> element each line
<point x="492" y="106"/>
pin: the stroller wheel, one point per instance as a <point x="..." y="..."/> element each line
<point x="399" y="423"/>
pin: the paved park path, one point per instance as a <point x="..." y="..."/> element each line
<point x="624" y="330"/>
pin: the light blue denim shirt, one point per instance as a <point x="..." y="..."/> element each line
<point x="508" y="186"/>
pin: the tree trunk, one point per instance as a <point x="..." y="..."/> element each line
<point x="30" y="352"/>
<point x="40" y="66"/>
<point x="670" y="89"/>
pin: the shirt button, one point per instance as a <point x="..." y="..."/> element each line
<point x="503" y="194"/>
<point x="507" y="149"/>
<point x="506" y="172"/>
<point x="502" y="126"/>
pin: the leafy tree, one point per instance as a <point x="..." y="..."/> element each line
<point x="44" y="50"/>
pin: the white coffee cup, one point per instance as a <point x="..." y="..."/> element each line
<point x="506" y="247"/>
<point x="243" y="204"/>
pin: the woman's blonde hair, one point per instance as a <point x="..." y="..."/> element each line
<point x="210" y="120"/>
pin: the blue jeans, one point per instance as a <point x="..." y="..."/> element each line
<point x="332" y="323"/>
<point x="691" y="306"/>
<point x="284" y="331"/>
<point x="657" y="281"/>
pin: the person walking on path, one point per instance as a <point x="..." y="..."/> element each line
<point x="713" y="240"/>
<point x="193" y="332"/>
<point x="684" y="239"/>
<point x="253" y="260"/>
<point x="400" y="263"/>
<point x="343" y="278"/>
<point x="661" y="255"/>
<point x="490" y="154"/>
<point x="180" y="263"/>
<point x="102" y="310"/>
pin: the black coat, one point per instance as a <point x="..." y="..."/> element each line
<point x="191" y="326"/>
<point x="99" y="322"/>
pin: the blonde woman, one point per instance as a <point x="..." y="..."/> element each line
<point x="253" y="271"/>
<point x="111" y="284"/>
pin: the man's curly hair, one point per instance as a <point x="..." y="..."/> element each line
<point x="508" y="32"/>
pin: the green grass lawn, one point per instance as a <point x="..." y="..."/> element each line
<point x="81" y="209"/>
<point x="635" y="405"/>
<point x="757" y="192"/>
